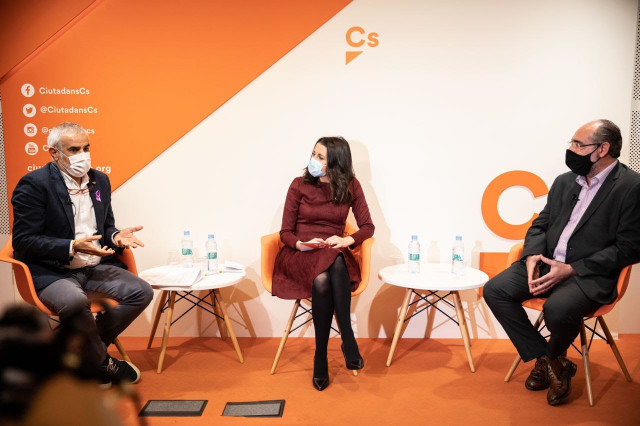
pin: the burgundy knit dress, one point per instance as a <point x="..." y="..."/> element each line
<point x="309" y="212"/>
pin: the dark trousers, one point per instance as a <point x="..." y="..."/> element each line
<point x="564" y="310"/>
<point x="66" y="295"/>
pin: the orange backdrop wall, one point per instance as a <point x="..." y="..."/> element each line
<point x="137" y="76"/>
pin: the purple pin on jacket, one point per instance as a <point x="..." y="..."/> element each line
<point x="98" y="195"/>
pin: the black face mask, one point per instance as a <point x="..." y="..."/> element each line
<point x="579" y="164"/>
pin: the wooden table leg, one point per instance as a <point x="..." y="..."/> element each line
<point x="229" y="326"/>
<point x="462" y="322"/>
<point x="216" y="310"/>
<point x="167" y="329"/>
<point x="156" y="319"/>
<point x="401" y="316"/>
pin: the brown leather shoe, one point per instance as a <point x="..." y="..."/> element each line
<point x="560" y="371"/>
<point x="539" y="377"/>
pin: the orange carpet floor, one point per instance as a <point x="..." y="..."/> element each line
<point x="429" y="382"/>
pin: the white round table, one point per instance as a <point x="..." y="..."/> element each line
<point x="433" y="277"/>
<point x="209" y="283"/>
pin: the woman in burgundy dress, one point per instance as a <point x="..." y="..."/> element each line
<point x="316" y="211"/>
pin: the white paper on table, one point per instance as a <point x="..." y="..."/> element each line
<point x="233" y="267"/>
<point x="172" y="276"/>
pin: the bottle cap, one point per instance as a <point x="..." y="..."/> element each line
<point x="187" y="233"/>
<point x="211" y="236"/>
<point x="458" y="237"/>
<point x="414" y="237"/>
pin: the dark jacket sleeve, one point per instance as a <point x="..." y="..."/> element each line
<point x="361" y="213"/>
<point x="29" y="237"/>
<point x="290" y="215"/>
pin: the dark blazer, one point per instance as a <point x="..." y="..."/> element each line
<point x="43" y="224"/>
<point x="606" y="239"/>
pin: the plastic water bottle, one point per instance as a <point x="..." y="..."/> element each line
<point x="187" y="250"/>
<point x="212" y="254"/>
<point x="414" y="255"/>
<point x="457" y="256"/>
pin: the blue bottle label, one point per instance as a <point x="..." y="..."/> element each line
<point x="415" y="257"/>
<point x="186" y="252"/>
<point x="212" y="255"/>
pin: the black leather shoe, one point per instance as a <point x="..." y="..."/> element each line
<point x="352" y="364"/>
<point x="320" y="373"/>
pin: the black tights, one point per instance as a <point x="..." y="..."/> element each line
<point x="332" y="291"/>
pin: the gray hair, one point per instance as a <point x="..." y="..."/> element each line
<point x="64" y="129"/>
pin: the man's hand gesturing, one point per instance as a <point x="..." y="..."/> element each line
<point x="85" y="245"/>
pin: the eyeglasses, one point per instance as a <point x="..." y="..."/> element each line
<point x="78" y="191"/>
<point x="579" y="145"/>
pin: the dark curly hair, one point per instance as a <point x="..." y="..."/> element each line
<point x="339" y="168"/>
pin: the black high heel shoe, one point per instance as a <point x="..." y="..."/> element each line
<point x="352" y="364"/>
<point x="320" y="373"/>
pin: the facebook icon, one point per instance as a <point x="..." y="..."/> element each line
<point x="27" y="90"/>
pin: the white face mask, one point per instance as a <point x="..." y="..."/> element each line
<point x="315" y="168"/>
<point x="79" y="164"/>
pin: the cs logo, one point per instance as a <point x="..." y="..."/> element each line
<point x="491" y="195"/>
<point x="357" y="37"/>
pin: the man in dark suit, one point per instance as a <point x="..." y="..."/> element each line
<point x="573" y="253"/>
<point x="64" y="230"/>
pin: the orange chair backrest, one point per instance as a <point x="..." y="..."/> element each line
<point x="22" y="275"/>
<point x="492" y="263"/>
<point x="362" y="254"/>
<point x="127" y="258"/>
<point x="515" y="253"/>
<point x="623" y="282"/>
<point x="271" y="245"/>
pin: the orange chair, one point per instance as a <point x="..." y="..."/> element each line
<point x="538" y="302"/>
<point x="271" y="245"/>
<point x="492" y="263"/>
<point x="27" y="291"/>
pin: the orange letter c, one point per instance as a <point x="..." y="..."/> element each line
<point x="491" y="195"/>
<point x="354" y="30"/>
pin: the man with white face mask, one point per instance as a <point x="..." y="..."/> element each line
<point x="64" y="230"/>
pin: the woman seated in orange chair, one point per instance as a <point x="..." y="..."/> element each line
<point x="315" y="261"/>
